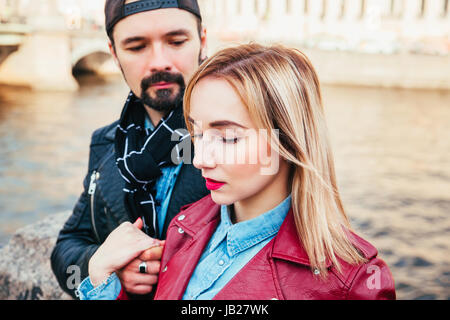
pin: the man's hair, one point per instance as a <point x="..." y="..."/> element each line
<point x="116" y="10"/>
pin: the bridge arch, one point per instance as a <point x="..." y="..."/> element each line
<point x="91" y="62"/>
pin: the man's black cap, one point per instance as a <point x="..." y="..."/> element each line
<point x="116" y="10"/>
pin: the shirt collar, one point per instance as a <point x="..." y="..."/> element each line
<point x="246" y="234"/>
<point x="148" y="124"/>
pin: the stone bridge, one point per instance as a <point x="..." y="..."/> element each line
<point x="43" y="53"/>
<point x="45" y="60"/>
<point x="11" y="37"/>
<point x="387" y="37"/>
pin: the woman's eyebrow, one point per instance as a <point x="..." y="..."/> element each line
<point x="220" y="123"/>
<point x="226" y="123"/>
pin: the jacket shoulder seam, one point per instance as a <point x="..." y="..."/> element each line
<point x="352" y="277"/>
<point x="99" y="135"/>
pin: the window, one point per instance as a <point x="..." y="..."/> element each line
<point x="422" y="9"/>
<point x="342" y="13"/>
<point x="392" y="9"/>
<point x="363" y="8"/>
<point x="289" y="6"/>
<point x="324" y="9"/>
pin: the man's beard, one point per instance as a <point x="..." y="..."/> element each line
<point x="165" y="100"/>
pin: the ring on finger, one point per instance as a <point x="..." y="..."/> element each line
<point x="143" y="267"/>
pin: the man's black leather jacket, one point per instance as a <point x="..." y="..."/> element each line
<point x="100" y="209"/>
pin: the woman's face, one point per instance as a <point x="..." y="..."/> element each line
<point x="234" y="156"/>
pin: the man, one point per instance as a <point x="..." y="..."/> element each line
<point x="133" y="170"/>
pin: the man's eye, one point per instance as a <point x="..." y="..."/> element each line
<point x="178" y="43"/>
<point x="136" y="49"/>
<point x="197" y="136"/>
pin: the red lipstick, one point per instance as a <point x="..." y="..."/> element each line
<point x="213" y="185"/>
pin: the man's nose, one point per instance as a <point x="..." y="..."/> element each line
<point x="159" y="60"/>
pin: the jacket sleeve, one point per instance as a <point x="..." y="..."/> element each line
<point x="373" y="281"/>
<point x="75" y="245"/>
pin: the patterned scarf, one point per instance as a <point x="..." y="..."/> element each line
<point x="141" y="153"/>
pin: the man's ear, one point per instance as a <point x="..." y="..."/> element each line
<point x="112" y="50"/>
<point x="203" y="44"/>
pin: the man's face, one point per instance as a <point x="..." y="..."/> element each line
<point x="158" y="51"/>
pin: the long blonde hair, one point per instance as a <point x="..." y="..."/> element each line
<point x="281" y="90"/>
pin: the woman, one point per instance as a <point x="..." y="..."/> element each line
<point x="274" y="226"/>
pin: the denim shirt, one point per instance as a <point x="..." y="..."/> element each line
<point x="110" y="288"/>
<point x="230" y="248"/>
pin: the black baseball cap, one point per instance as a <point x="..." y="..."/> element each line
<point x="116" y="10"/>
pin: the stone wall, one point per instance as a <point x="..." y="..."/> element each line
<point x="25" y="271"/>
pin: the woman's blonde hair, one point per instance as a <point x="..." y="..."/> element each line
<point x="281" y="90"/>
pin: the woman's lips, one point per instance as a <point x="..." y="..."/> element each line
<point x="213" y="185"/>
<point x="162" y="85"/>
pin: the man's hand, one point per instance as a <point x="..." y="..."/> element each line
<point x="122" y="246"/>
<point x="138" y="283"/>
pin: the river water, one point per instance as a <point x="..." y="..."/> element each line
<point x="392" y="153"/>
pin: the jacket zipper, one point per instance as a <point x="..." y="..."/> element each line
<point x="91" y="191"/>
<point x="92" y="186"/>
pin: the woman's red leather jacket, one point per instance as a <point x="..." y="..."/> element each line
<point x="281" y="270"/>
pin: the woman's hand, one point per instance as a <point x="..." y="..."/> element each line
<point x="121" y="247"/>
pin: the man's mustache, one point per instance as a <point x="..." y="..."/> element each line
<point x="162" y="77"/>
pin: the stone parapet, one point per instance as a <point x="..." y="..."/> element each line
<point x="25" y="270"/>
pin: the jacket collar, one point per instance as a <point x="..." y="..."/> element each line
<point x="194" y="217"/>
<point x="286" y="244"/>
<point x="111" y="134"/>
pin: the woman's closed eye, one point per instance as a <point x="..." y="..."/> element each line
<point x="230" y="140"/>
<point x="226" y="140"/>
<point x="197" y="136"/>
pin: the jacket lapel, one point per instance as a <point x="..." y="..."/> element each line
<point x="287" y="245"/>
<point x="193" y="232"/>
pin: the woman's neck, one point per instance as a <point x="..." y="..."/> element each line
<point x="265" y="200"/>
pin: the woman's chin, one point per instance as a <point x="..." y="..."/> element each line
<point x="221" y="198"/>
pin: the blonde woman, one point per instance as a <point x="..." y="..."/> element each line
<point x="273" y="226"/>
<point x="264" y="233"/>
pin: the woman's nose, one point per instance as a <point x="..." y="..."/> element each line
<point x="203" y="156"/>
